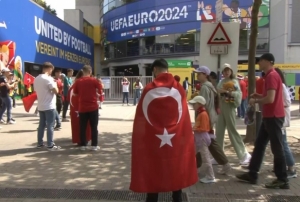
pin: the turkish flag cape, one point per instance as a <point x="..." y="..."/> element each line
<point x="29" y="100"/>
<point x="74" y="115"/>
<point x="163" y="152"/>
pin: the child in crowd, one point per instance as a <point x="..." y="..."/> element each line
<point x="202" y="132"/>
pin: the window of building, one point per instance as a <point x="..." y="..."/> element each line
<point x="133" y="47"/>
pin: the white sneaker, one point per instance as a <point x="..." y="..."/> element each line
<point x="2" y="121"/>
<point x="225" y="169"/>
<point x="54" y="148"/>
<point x="83" y="148"/>
<point x="206" y="180"/>
<point x="246" y="159"/>
<point x="214" y="162"/>
<point x="11" y="122"/>
<point x="95" y="148"/>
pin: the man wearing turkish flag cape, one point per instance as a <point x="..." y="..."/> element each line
<point x="74" y="115"/>
<point x="163" y="151"/>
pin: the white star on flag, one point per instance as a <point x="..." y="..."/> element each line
<point x="77" y="113"/>
<point x="166" y="138"/>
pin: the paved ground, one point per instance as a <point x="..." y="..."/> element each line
<point x="24" y="167"/>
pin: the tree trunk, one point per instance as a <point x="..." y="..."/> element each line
<point x="251" y="130"/>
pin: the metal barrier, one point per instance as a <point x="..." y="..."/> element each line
<point x="113" y="88"/>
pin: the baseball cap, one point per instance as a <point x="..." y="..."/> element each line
<point x="5" y="70"/>
<point x="198" y="99"/>
<point x="269" y="57"/>
<point x="203" y="69"/>
<point x="226" y="65"/>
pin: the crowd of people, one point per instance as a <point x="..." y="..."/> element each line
<point x="163" y="139"/>
<point x="55" y="94"/>
<point x="216" y="105"/>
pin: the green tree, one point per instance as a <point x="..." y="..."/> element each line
<point x="251" y="130"/>
<point x="47" y="7"/>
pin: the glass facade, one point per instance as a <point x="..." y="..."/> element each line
<point x="176" y="43"/>
<point x="112" y="4"/>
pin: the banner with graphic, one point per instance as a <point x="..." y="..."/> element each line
<point x="156" y="17"/>
<point x="31" y="34"/>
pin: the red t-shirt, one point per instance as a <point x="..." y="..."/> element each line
<point x="243" y="89"/>
<point x="260" y="86"/>
<point x="273" y="82"/>
<point x="86" y="88"/>
<point x="60" y="85"/>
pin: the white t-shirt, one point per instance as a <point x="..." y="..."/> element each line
<point x="43" y="84"/>
<point x="287" y="103"/>
<point x="125" y="85"/>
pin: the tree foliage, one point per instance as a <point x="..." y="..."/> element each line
<point x="47" y="7"/>
<point x="251" y="130"/>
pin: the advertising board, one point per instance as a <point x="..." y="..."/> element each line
<point x="156" y="17"/>
<point x="31" y="34"/>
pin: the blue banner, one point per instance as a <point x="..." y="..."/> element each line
<point x="30" y="34"/>
<point x="160" y="17"/>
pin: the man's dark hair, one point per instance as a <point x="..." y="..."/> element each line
<point x="160" y="64"/>
<point x="70" y="70"/>
<point x="58" y="70"/>
<point x="236" y="2"/>
<point x="213" y="75"/>
<point x="263" y="74"/>
<point x="186" y="78"/>
<point x="47" y="65"/>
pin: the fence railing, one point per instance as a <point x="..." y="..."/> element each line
<point x="113" y="88"/>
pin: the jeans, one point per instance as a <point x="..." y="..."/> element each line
<point x="125" y="95"/>
<point x="153" y="197"/>
<point x="65" y="108"/>
<point x="57" y="119"/>
<point x="46" y="119"/>
<point x="290" y="161"/>
<point x="84" y="119"/>
<point x="137" y="95"/>
<point x="242" y="109"/>
<point x="270" y="130"/>
<point x="58" y="104"/>
<point x="6" y="105"/>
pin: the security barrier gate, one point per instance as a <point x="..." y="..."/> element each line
<point x="113" y="86"/>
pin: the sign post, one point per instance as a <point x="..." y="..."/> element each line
<point x="219" y="42"/>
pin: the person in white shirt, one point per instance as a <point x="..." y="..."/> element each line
<point x="137" y="87"/>
<point x="125" y="85"/>
<point x="290" y="161"/>
<point x="46" y="90"/>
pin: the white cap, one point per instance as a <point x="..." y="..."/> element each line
<point x="198" y="99"/>
<point x="5" y="69"/>
<point x="226" y="65"/>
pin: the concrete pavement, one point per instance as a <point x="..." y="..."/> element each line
<point x="22" y="166"/>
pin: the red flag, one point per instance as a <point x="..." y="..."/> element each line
<point x="28" y="101"/>
<point x="75" y="118"/>
<point x="28" y="79"/>
<point x="163" y="152"/>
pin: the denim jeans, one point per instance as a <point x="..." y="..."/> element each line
<point x="6" y="105"/>
<point x="290" y="161"/>
<point x="57" y="118"/>
<point x="242" y="109"/>
<point x="125" y="96"/>
<point x="270" y="130"/>
<point x="47" y="118"/>
<point x="137" y="95"/>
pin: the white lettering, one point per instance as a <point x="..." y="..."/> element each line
<point x="130" y="20"/>
<point x="153" y="16"/>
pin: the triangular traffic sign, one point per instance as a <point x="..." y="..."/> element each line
<point x="219" y="36"/>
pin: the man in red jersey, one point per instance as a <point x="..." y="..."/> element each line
<point x="163" y="152"/>
<point x="270" y="129"/>
<point x="86" y="88"/>
<point x="260" y="86"/>
<point x="242" y="108"/>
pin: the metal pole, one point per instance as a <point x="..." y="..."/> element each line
<point x="219" y="67"/>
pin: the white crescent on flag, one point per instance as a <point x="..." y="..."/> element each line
<point x="159" y="93"/>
